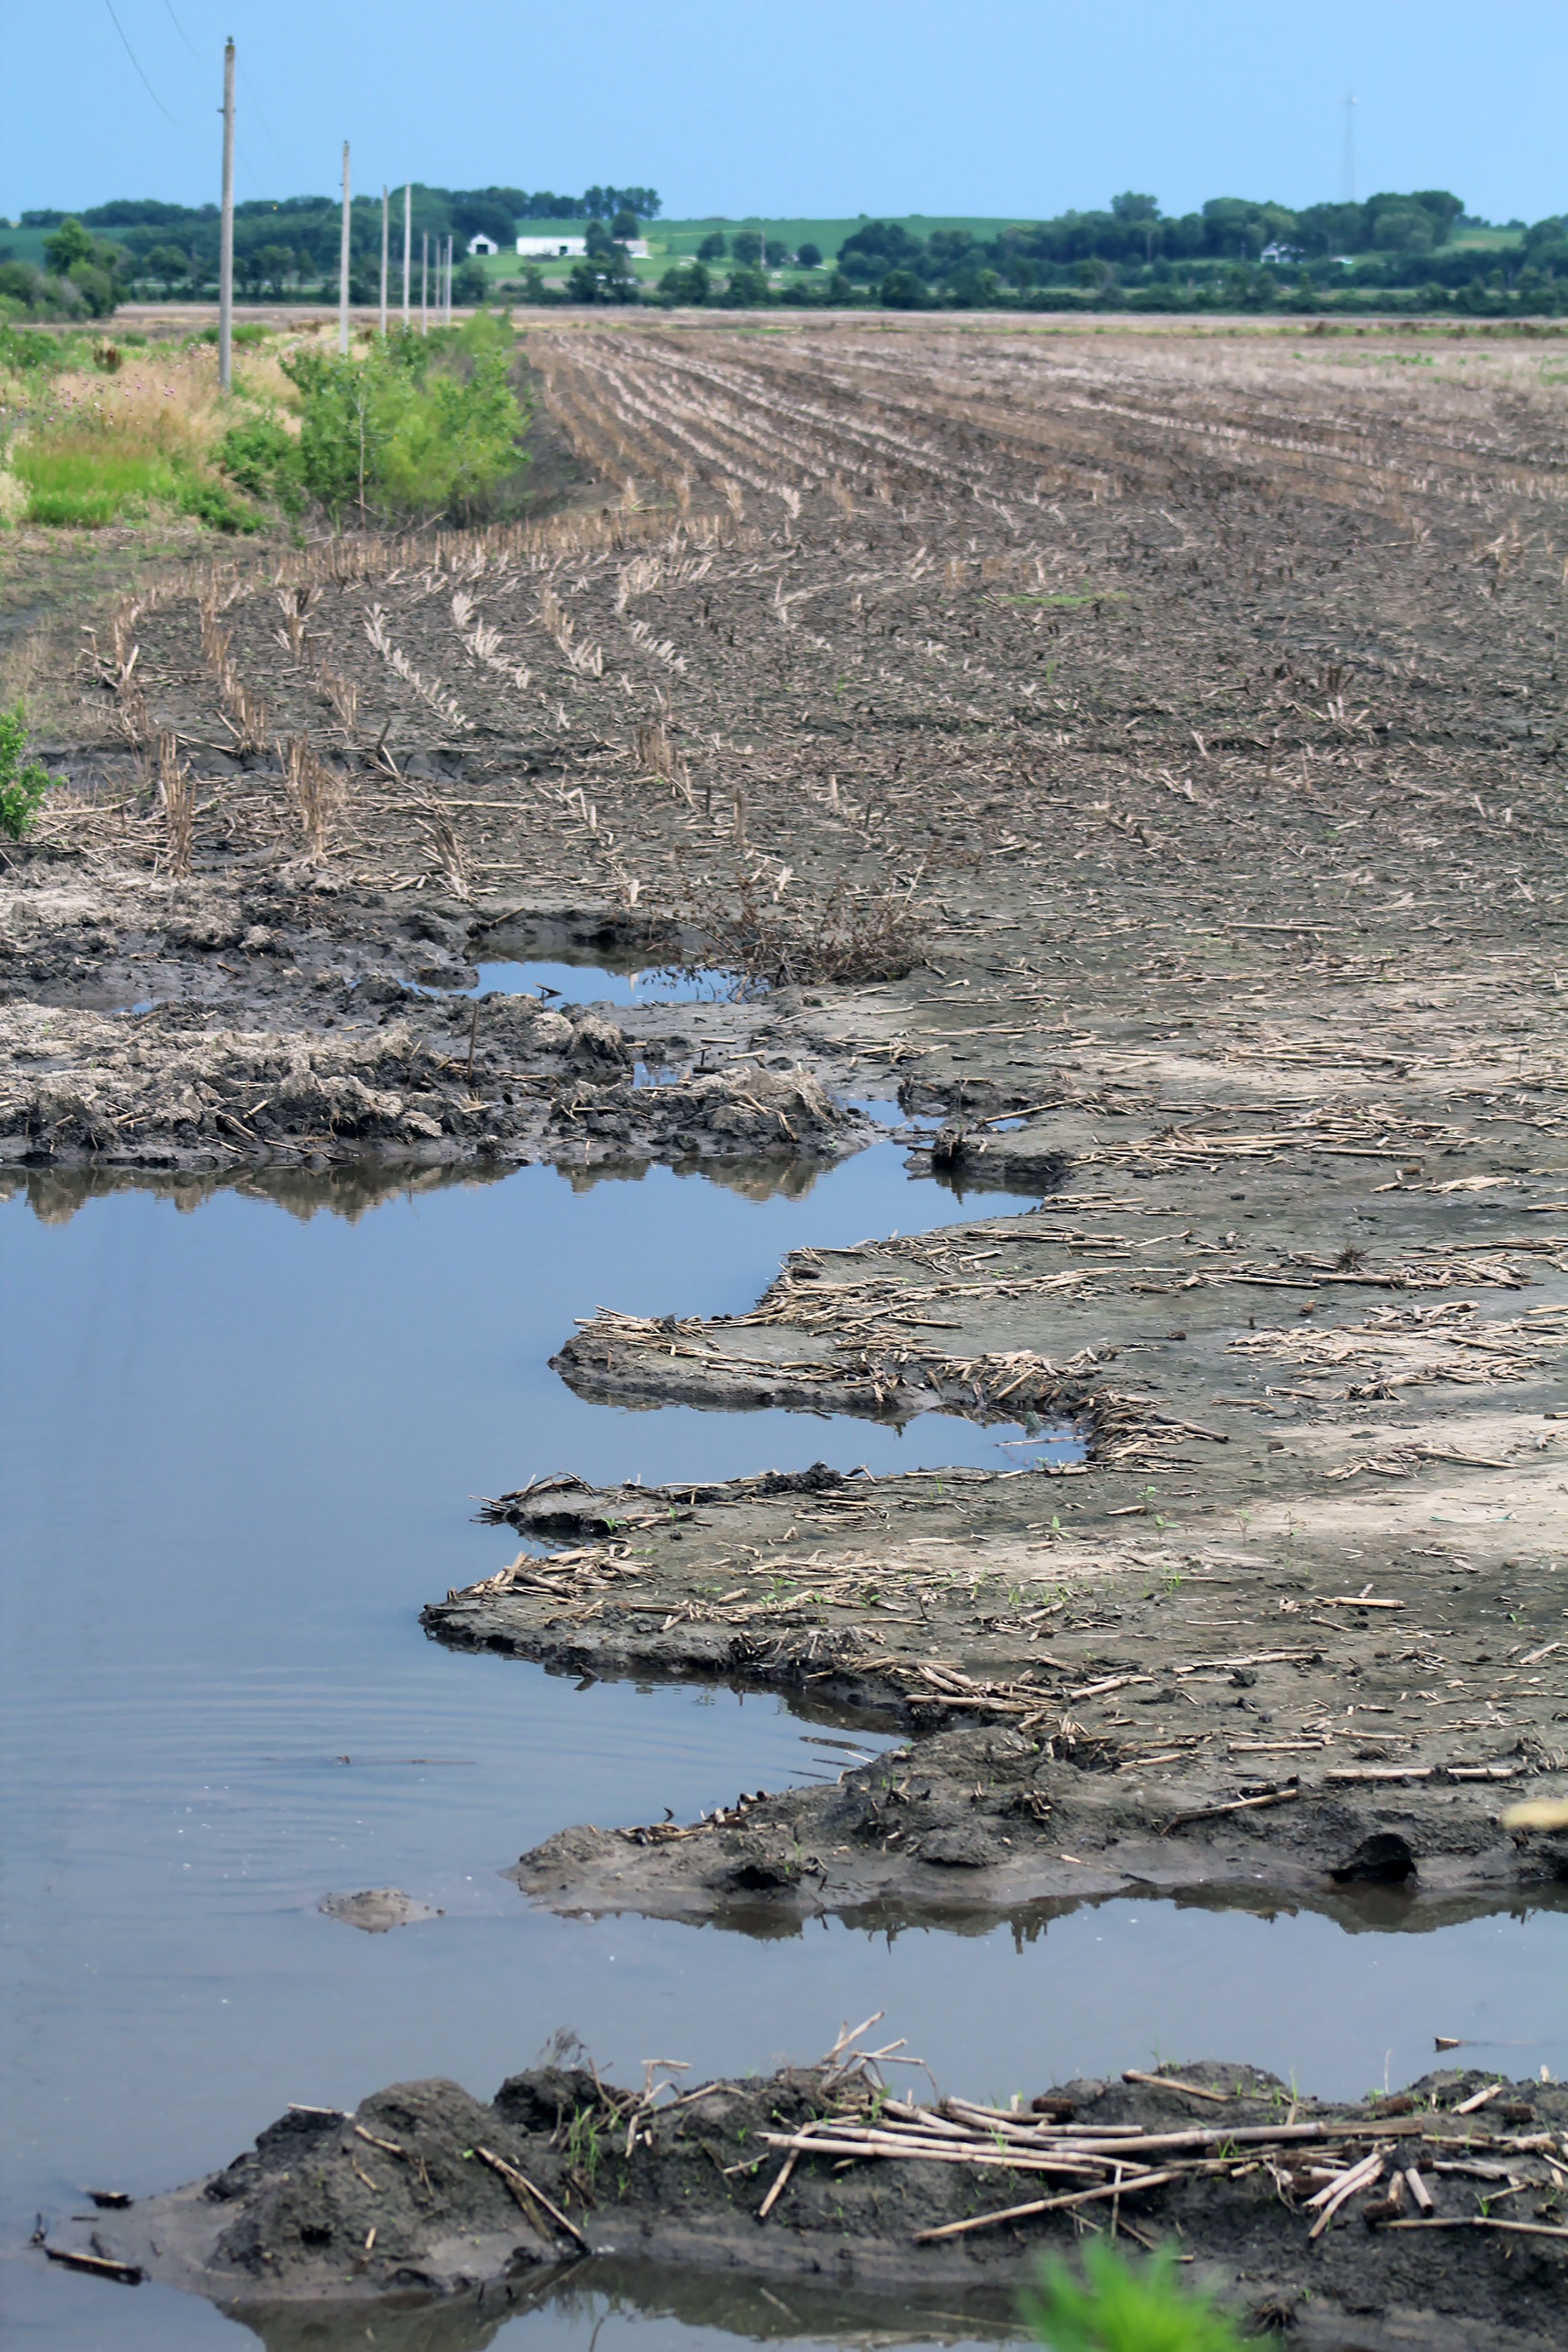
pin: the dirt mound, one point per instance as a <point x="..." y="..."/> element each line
<point x="1294" y="2207"/>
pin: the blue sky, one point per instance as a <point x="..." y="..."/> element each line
<point x="1013" y="106"/>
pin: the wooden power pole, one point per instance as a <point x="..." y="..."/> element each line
<point x="226" y="231"/>
<point x="343" y="264"/>
<point x="384" y="260"/>
<point x="408" y="244"/>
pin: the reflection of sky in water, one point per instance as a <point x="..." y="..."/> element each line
<point x="241" y="1448"/>
<point x="572" y="984"/>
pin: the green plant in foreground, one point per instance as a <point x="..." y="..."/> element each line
<point x="22" y="783"/>
<point x="1123" y="2306"/>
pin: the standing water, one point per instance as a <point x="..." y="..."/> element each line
<point x="242" y="1445"/>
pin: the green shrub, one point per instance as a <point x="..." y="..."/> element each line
<point x="214" y="503"/>
<point x="1122" y="2307"/>
<point x="22" y="783"/>
<point x="28" y="350"/>
<point x="687" y="282"/>
<point x="262" y="457"/>
<point x="245" y="331"/>
<point x="427" y="424"/>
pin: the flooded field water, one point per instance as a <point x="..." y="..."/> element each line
<point x="241" y="1445"/>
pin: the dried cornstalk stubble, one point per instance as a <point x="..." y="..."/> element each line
<point x="447" y="848"/>
<point x="652" y="749"/>
<point x="245" y="712"/>
<point x="341" y="692"/>
<point x="294" y="604"/>
<point x="850" y="939"/>
<point x="177" y="801"/>
<point x="315" y="792"/>
<point x="733" y="500"/>
<point x="215" y="640"/>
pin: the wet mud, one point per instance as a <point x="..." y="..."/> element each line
<point x="1437" y="2208"/>
<point x="1140" y="761"/>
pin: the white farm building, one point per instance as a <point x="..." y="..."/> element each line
<point x="571" y="248"/>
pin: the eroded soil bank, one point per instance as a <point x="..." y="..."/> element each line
<point x="1430" y="2216"/>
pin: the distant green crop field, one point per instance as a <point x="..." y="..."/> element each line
<point x="1484" y="241"/>
<point x="684" y="236"/>
<point x="676" y="240"/>
<point x="25" y="243"/>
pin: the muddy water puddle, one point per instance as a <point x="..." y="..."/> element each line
<point x="571" y="983"/>
<point x="240" y="1446"/>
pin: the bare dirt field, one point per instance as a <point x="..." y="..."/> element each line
<point x="1144" y="755"/>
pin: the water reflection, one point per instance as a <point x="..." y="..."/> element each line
<point x="596" y="2302"/>
<point x="239" y="1456"/>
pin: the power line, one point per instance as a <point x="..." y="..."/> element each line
<point x="181" y="30"/>
<point x="261" y="119"/>
<point x="145" y="83"/>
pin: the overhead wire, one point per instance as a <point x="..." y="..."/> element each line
<point x="179" y="29"/>
<point x="135" y="61"/>
<point x="261" y="119"/>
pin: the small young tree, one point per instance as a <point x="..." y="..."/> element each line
<point x="23" y="782"/>
<point x="809" y="257"/>
<point x="746" y="246"/>
<point x="714" y="246"/>
<point x="625" y="225"/>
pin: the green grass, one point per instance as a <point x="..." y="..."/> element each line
<point x="76" y="480"/>
<point x="81" y="481"/>
<point x="683" y="237"/>
<point x="25" y="243"/>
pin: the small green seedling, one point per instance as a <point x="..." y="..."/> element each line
<point x="1123" y="2306"/>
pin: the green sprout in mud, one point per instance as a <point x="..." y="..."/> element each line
<point x="583" y="2143"/>
<point x="1125" y="2306"/>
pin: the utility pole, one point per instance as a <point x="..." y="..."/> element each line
<point x="384" y="261"/>
<point x="448" y="281"/>
<point x="408" y="244"/>
<point x="343" y="265"/>
<point x="1348" y="174"/>
<point x="226" y="231"/>
<point x="424" y="281"/>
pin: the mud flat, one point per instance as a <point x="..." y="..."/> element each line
<point x="1438" y="2209"/>
<point x="1142" y="760"/>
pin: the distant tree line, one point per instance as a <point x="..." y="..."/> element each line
<point x="1398" y="251"/>
<point x="290" y="245"/>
